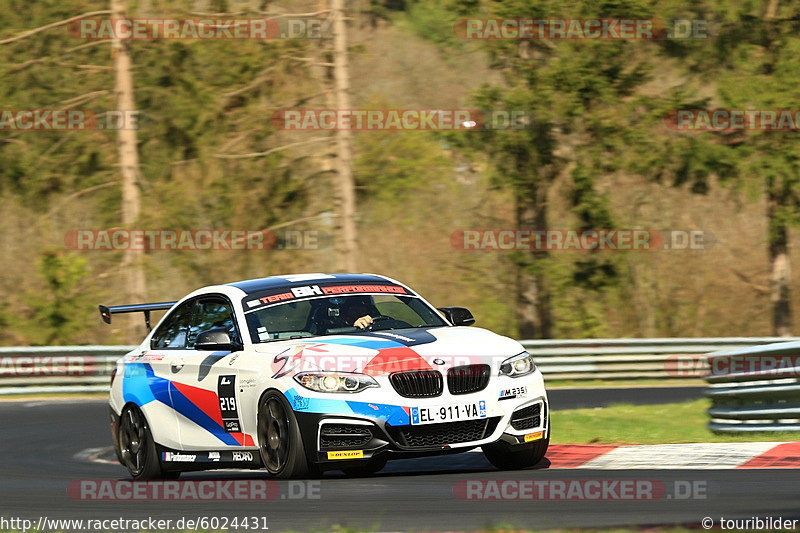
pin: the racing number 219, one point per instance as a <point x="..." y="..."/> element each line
<point x="227" y="403"/>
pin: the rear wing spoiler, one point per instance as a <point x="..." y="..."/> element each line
<point x="107" y="311"/>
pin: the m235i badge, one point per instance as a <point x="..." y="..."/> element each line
<point x="514" y="392"/>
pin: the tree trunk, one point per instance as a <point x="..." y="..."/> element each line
<point x="129" y="166"/>
<point x="533" y="293"/>
<point x="780" y="266"/>
<point x="778" y="237"/>
<point x="344" y="185"/>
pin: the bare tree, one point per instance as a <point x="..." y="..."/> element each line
<point x="344" y="186"/>
<point x="127" y="149"/>
<point x="778" y="238"/>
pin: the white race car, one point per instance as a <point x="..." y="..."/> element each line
<point x="305" y="373"/>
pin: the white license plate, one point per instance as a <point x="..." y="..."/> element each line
<point x="448" y="413"/>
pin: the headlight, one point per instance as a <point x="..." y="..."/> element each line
<point x="335" y="381"/>
<point x="519" y="365"/>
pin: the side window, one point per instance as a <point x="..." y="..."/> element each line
<point x="171" y="334"/>
<point x="211" y="314"/>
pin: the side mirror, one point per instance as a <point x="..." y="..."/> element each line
<point x="458" y="316"/>
<point x="216" y="339"/>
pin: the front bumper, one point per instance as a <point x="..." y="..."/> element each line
<point x="335" y="439"/>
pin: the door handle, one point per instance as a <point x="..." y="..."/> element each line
<point x="177" y="365"/>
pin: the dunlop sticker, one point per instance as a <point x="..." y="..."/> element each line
<point x="346" y="454"/>
<point x="534" y="436"/>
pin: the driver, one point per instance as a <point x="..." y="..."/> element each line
<point x="355" y="311"/>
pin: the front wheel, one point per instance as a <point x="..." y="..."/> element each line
<point x="137" y="449"/>
<point x="279" y="440"/>
<point x="506" y="457"/>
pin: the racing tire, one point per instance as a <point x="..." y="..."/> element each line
<point x="506" y="457"/>
<point x="137" y="448"/>
<point x="279" y="440"/>
<point x="370" y="467"/>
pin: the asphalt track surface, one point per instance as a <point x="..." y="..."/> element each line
<point x="576" y="398"/>
<point x="41" y="442"/>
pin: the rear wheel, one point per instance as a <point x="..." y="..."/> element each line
<point x="279" y="440"/>
<point x="137" y="449"/>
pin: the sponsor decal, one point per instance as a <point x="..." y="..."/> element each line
<point x="530" y="437"/>
<point x="289" y="359"/>
<point x="346" y="454"/>
<point x="514" y="392"/>
<point x="242" y="456"/>
<point x="347" y="289"/>
<point x="226" y="390"/>
<point x="150" y="357"/>
<point x="247" y="383"/>
<point x="322" y="290"/>
<point x="394" y="336"/>
<point x="176" y="457"/>
<point x="410" y="337"/>
<point x="300" y="403"/>
<point x="207" y="457"/>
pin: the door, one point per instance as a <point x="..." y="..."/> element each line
<point x="148" y="377"/>
<point x="205" y="394"/>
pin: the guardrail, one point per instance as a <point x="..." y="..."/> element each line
<point x="755" y="389"/>
<point x="658" y="358"/>
<point x="47" y="369"/>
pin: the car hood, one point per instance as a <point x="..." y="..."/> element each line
<point x="384" y="352"/>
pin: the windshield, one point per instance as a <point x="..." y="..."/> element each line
<point x="339" y="315"/>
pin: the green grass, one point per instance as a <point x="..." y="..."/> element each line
<point x="55" y="396"/>
<point x="599" y="383"/>
<point x="509" y="528"/>
<point x="646" y="424"/>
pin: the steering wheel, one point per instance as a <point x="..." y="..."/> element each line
<point x="378" y="318"/>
